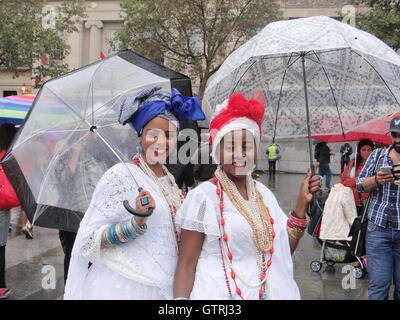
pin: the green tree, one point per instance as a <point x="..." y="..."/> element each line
<point x="197" y="33"/>
<point x="382" y="19"/>
<point x="30" y="29"/>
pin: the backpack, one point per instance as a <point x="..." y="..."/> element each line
<point x="8" y="197"/>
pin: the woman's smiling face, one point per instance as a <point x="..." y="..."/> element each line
<point x="158" y="140"/>
<point x="238" y="152"/>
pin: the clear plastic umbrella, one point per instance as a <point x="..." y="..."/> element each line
<point x="320" y="77"/>
<point x="72" y="136"/>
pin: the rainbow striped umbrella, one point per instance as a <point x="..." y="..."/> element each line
<point x="13" y="109"/>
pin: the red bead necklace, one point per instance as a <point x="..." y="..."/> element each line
<point x="262" y="292"/>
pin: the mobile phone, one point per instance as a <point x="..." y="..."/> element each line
<point x="387" y="169"/>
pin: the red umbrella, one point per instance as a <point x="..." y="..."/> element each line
<point x="376" y="130"/>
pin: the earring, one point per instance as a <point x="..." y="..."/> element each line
<point x="140" y="149"/>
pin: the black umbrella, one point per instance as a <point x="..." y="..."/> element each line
<point x="71" y="136"/>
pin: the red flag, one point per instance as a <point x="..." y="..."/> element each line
<point x="38" y="78"/>
<point x="43" y="59"/>
<point x="102" y="55"/>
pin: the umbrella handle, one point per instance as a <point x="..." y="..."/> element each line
<point x="137" y="213"/>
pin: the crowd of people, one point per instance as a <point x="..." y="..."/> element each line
<point x="227" y="238"/>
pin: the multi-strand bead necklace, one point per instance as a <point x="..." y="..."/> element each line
<point x="257" y="215"/>
<point x="171" y="193"/>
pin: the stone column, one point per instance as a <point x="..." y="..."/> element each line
<point x="75" y="40"/>
<point x="95" y="39"/>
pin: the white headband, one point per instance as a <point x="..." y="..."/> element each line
<point x="237" y="124"/>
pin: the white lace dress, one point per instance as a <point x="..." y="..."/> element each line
<point x="140" y="269"/>
<point x="210" y="282"/>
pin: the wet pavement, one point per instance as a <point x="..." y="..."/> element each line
<point x="29" y="262"/>
<point x="32" y="263"/>
<point x="337" y="283"/>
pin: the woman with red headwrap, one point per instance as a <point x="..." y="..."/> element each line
<point x="236" y="242"/>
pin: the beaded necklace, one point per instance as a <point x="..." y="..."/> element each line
<point x="172" y="194"/>
<point x="257" y="218"/>
<point x="264" y="233"/>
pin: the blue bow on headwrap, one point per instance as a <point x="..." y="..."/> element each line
<point x="147" y="104"/>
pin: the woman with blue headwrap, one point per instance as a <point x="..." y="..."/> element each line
<point x="120" y="256"/>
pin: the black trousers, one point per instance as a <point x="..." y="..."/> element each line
<point x="67" y="242"/>
<point x="343" y="164"/>
<point x="272" y="167"/>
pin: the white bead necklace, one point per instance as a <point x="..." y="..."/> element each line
<point x="171" y="193"/>
<point x="252" y="206"/>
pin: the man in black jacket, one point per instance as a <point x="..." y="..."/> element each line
<point x="323" y="155"/>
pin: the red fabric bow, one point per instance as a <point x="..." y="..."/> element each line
<point x="239" y="107"/>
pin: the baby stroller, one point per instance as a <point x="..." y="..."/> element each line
<point x="332" y="252"/>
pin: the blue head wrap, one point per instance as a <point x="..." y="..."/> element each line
<point x="147" y="104"/>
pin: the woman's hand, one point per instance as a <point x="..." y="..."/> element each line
<point x="308" y="187"/>
<point x="143" y="208"/>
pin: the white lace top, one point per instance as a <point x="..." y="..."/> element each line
<point x="149" y="260"/>
<point x="200" y="212"/>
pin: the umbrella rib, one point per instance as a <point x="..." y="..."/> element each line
<point x="241" y="77"/>
<point x="47" y="131"/>
<point x="117" y="155"/>
<point x="390" y="90"/>
<point x="72" y="109"/>
<point x="91" y="89"/>
<point x="49" y="168"/>
<point x="333" y="94"/>
<point x="280" y="94"/>
<point x="116" y="97"/>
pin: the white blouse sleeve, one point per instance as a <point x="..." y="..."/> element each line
<point x="199" y="213"/>
<point x="105" y="209"/>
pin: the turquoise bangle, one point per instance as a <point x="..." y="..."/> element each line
<point x="139" y="230"/>
<point x="112" y="235"/>
<point x="130" y="231"/>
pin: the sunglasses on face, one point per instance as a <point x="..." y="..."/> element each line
<point x="395" y="135"/>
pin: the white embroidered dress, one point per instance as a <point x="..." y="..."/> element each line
<point x="200" y="212"/>
<point x="139" y="269"/>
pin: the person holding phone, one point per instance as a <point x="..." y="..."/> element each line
<point x="383" y="231"/>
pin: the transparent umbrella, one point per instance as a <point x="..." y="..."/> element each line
<point x="72" y="136"/>
<point x="320" y="77"/>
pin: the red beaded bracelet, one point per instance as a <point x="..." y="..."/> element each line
<point x="293" y="226"/>
<point x="302" y="223"/>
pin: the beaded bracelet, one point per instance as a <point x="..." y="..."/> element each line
<point x="119" y="233"/>
<point x="112" y="235"/>
<point x="301" y="223"/>
<point x="296" y="226"/>
<point x="295" y="233"/>
<point x="291" y="225"/>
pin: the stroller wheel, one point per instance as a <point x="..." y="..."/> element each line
<point x="316" y="266"/>
<point x="358" y="273"/>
